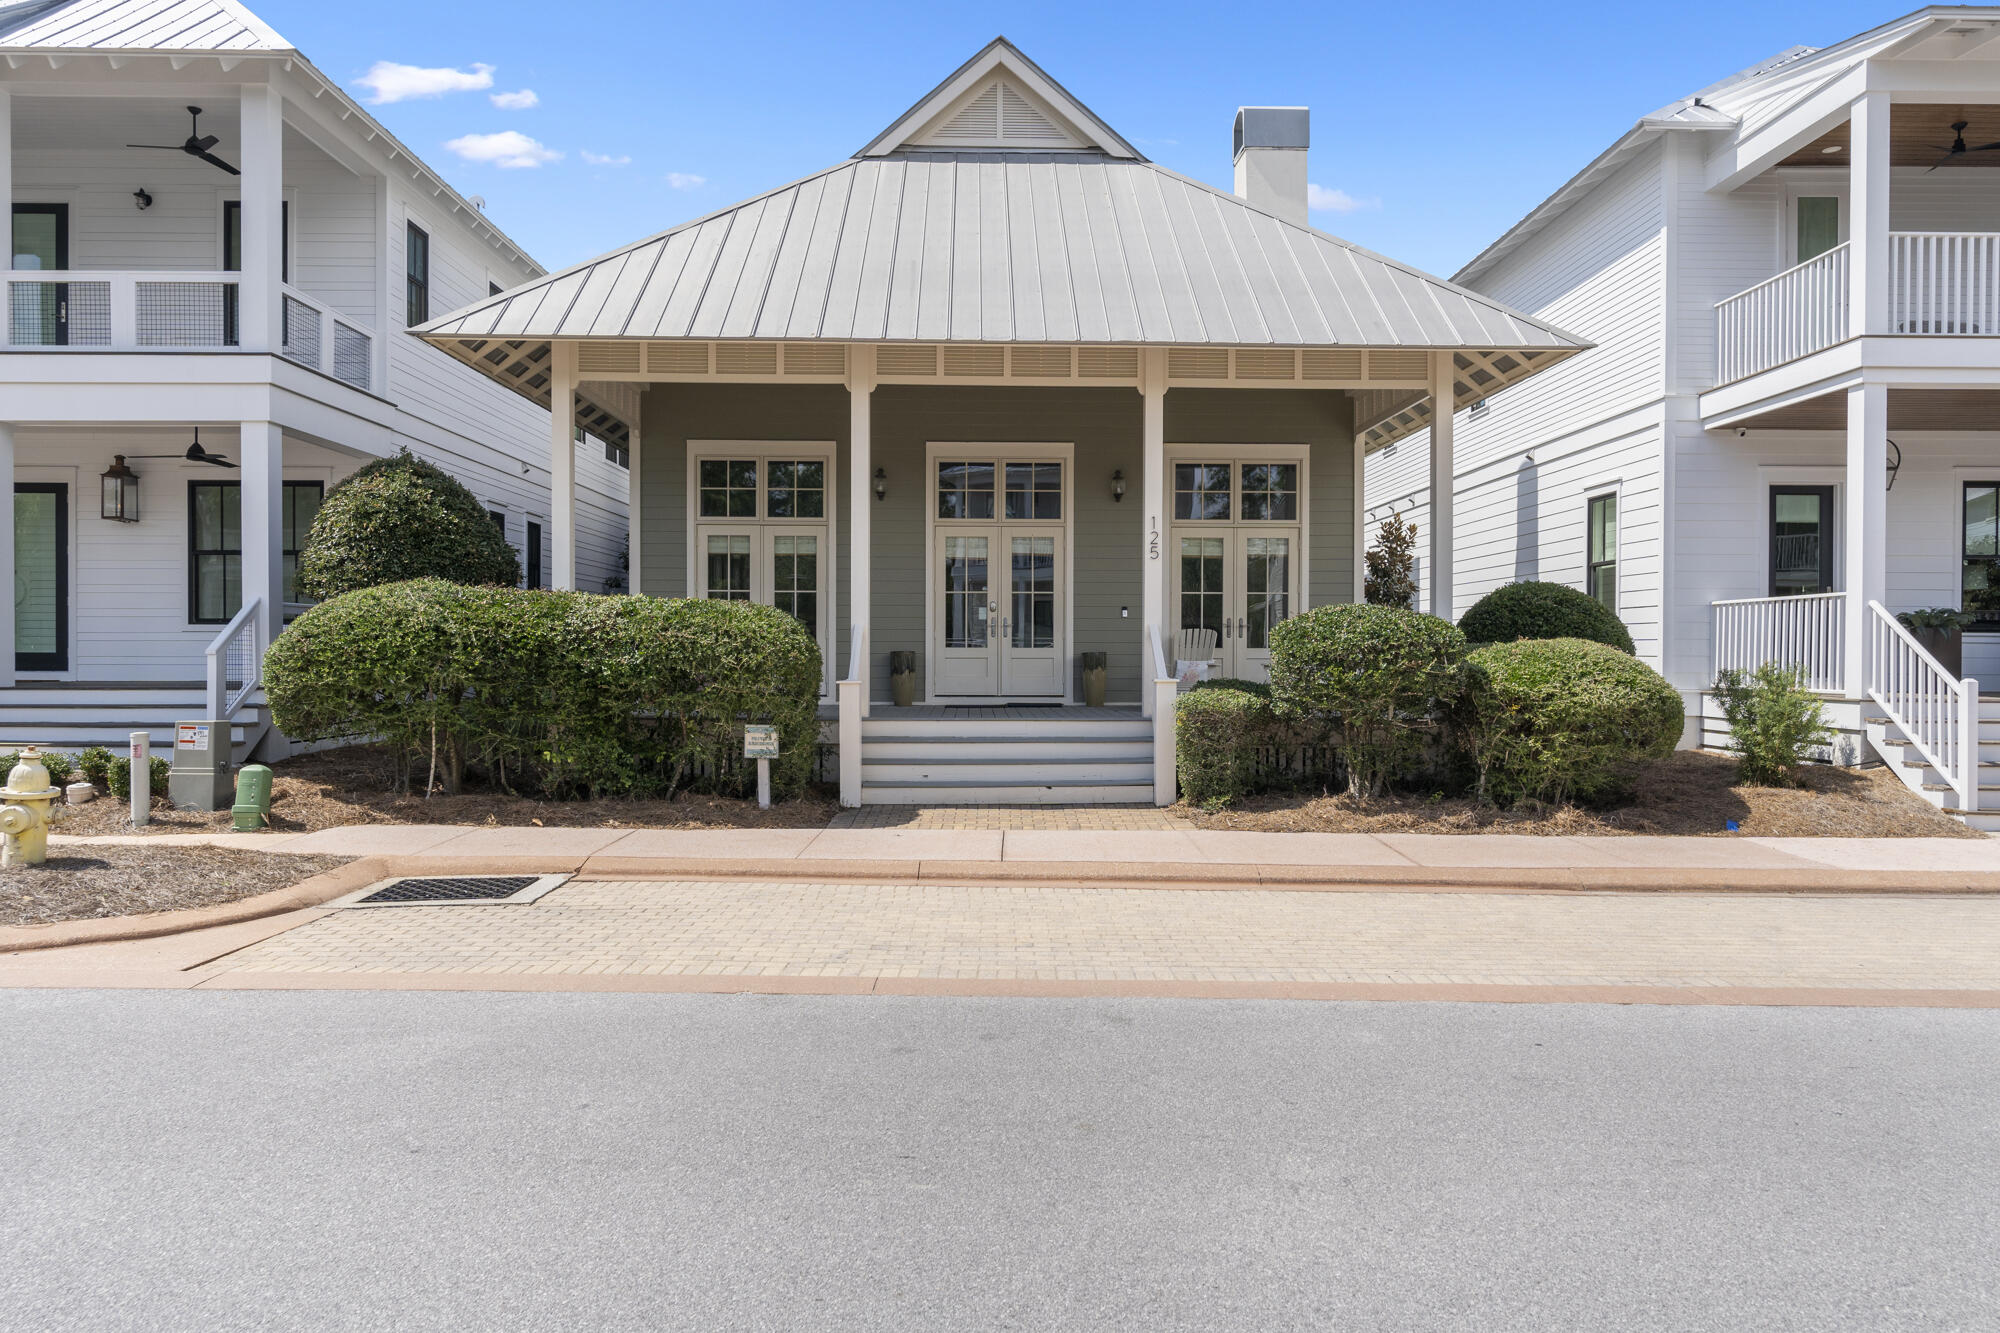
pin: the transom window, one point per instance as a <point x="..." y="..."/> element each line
<point x="964" y="490"/>
<point x="795" y="489"/>
<point x="1027" y="490"/>
<point x="1034" y="490"/>
<point x="1223" y="492"/>
<point x="729" y="488"/>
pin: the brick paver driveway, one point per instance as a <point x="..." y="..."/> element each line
<point x="698" y="928"/>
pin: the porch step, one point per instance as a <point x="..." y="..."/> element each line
<point x="1041" y="759"/>
<point x="1054" y="791"/>
<point x="72" y="717"/>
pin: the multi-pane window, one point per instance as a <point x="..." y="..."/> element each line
<point x="1818" y="226"/>
<point x="1267" y="580"/>
<point x="967" y="584"/>
<point x="1801" y="540"/>
<point x="1271" y="492"/>
<point x="215" y="544"/>
<point x="1601" y="575"/>
<point x="1033" y="586"/>
<point x="1980" y="579"/>
<point x="729" y="567"/>
<point x="965" y="490"/>
<point x="1250" y="492"/>
<point x="795" y="578"/>
<point x="534" y="553"/>
<point x="416" y="274"/>
<point x="728" y="487"/>
<point x="1201" y="491"/>
<point x="1202" y="590"/>
<point x="795" y="489"/>
<point x="1034" y="490"/>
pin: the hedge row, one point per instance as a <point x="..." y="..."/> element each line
<point x="551" y="693"/>
<point x="1230" y="741"/>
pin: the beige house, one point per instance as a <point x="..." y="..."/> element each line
<point x="999" y="392"/>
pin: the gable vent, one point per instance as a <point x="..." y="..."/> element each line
<point x="815" y="359"/>
<point x="1000" y="115"/>
<point x="746" y="359"/>
<point x="1262" y="363"/>
<point x="1399" y="365"/>
<point x="1198" y="363"/>
<point x="905" y="359"/>
<point x="1107" y="363"/>
<point x="608" y="358"/>
<point x="1330" y="364"/>
<point x="1021" y="123"/>
<point x="976" y="362"/>
<point x="978" y="123"/>
<point x="1042" y="362"/>
<point x="677" y="358"/>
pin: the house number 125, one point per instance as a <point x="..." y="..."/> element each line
<point x="1153" y="542"/>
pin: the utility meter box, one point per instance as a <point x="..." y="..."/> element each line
<point x="203" y="776"/>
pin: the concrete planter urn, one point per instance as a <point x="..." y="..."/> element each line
<point x="903" y="678"/>
<point x="1095" y="667"/>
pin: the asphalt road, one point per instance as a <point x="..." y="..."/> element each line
<point x="190" y="1160"/>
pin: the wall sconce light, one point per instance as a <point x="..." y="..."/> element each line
<point x="144" y="200"/>
<point x="1895" y="464"/>
<point x="121" y="492"/>
<point x="881" y="484"/>
<point x="1118" y="484"/>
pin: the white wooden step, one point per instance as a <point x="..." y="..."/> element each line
<point x="1037" y="747"/>
<point x="974" y="728"/>
<point x="1066" y="792"/>
<point x="986" y="772"/>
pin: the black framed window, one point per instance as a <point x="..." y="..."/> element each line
<point x="492" y="289"/>
<point x="232" y="261"/>
<point x="416" y="274"/>
<point x="41" y="576"/>
<point x="1601" y="572"/>
<point x="535" y="555"/>
<point x="1801" y="540"/>
<point x="1980" y="577"/>
<point x="39" y="313"/>
<point x="215" y="544"/>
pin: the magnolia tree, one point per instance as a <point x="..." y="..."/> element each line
<point x="1392" y="565"/>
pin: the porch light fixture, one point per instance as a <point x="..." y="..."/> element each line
<point x="881" y="484"/>
<point x="1895" y="464"/>
<point x="121" y="492"/>
<point x="144" y="200"/>
<point x="1118" y="484"/>
<point x="1830" y="148"/>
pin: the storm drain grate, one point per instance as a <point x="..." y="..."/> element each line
<point x="456" y="889"/>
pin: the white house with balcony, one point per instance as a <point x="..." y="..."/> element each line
<point x="1789" y="429"/>
<point x="214" y="255"/>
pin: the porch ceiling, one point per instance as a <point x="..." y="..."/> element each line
<point x="1918" y="132"/>
<point x="1909" y="409"/>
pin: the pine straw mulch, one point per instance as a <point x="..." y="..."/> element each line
<point x="84" y="883"/>
<point x="1690" y="792"/>
<point x="354" y="785"/>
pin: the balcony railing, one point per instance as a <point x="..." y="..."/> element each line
<point x="96" y="310"/>
<point x="1781" y="319"/>
<point x="1799" y="632"/>
<point x="1944" y="282"/>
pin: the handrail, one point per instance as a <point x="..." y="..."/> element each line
<point x="228" y="650"/>
<point x="1936" y="712"/>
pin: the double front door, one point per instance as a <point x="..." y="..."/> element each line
<point x="999" y="620"/>
<point x="1238" y="584"/>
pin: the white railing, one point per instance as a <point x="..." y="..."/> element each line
<point x="1944" y="282"/>
<point x="1783" y="318"/>
<point x="1161" y="697"/>
<point x="1804" y="633"/>
<point x="1935" y="711"/>
<point x="317" y="337"/>
<point x="236" y="662"/>
<point x="851" y="700"/>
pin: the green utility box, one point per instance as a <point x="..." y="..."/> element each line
<point x="252" y="811"/>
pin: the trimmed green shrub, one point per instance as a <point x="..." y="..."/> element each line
<point x="60" y="766"/>
<point x="551" y="693"/>
<point x="1230" y="742"/>
<point x="401" y="518"/>
<point x="1542" y="611"/>
<point x="1774" y="720"/>
<point x="1387" y="678"/>
<point x="118" y="778"/>
<point x="1562" y="719"/>
<point x="95" y="765"/>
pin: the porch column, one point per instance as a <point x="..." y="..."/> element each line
<point x="1868" y="214"/>
<point x="7" y="209"/>
<point x="634" y="487"/>
<point x="262" y="448"/>
<point x="1153" y="563"/>
<point x="1865" y="532"/>
<point x="562" y="465"/>
<point x="861" y="499"/>
<point x="1444" y="399"/>
<point x="262" y="184"/>
<point x="7" y="537"/>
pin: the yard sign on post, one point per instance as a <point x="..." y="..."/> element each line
<point x="761" y="743"/>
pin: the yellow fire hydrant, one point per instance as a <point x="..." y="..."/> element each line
<point x="24" y="819"/>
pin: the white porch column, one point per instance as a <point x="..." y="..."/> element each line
<point x="1443" y="402"/>
<point x="7" y="536"/>
<point x="262" y="449"/>
<point x="7" y="210"/>
<point x="634" y="491"/>
<point x="1359" y="508"/>
<point x="263" y="186"/>
<point x="1866" y="530"/>
<point x="1868" y="214"/>
<point x="1153" y="562"/>
<point x="861" y="497"/>
<point x="562" y="465"/>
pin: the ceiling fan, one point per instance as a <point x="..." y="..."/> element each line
<point x="197" y="144"/>
<point x="1958" y="148"/>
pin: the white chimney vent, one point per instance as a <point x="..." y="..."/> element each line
<point x="1271" y="159"/>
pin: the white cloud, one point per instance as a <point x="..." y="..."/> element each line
<point x="605" y="159"/>
<point x="1322" y="200"/>
<point x="388" y="81"/>
<point x="508" y="148"/>
<point x="520" y="101"/>
<point x="681" y="180"/>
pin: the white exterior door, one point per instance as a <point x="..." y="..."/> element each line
<point x="967" y="615"/>
<point x="1237" y="544"/>
<point x="1031" y="624"/>
<point x="763" y="532"/>
<point x="999" y="573"/>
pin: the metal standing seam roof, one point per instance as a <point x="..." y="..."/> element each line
<point x="137" y="25"/>
<point x="1056" y="247"/>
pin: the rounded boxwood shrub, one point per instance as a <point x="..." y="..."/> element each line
<point x="1386" y="677"/>
<point x="551" y="693"/>
<point x="401" y="518"/>
<point x="1542" y="611"/>
<point x="1230" y="741"/>
<point x="1559" y="719"/>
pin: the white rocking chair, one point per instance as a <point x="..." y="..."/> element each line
<point x="1194" y="645"/>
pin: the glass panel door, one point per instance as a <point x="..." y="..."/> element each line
<point x="41" y="576"/>
<point x="1801" y="540"/>
<point x="1031" y="659"/>
<point x="1819" y="226"/>
<point x="795" y="576"/>
<point x="39" y="316"/>
<point x="1267" y="599"/>
<point x="968" y="612"/>
<point x="726" y="565"/>
<point x="1203" y="588"/>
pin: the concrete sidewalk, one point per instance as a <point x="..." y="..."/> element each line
<point x="1103" y="857"/>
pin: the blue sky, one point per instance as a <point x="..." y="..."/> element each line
<point x="1440" y="123"/>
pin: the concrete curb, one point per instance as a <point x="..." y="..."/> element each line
<point x="321" y="888"/>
